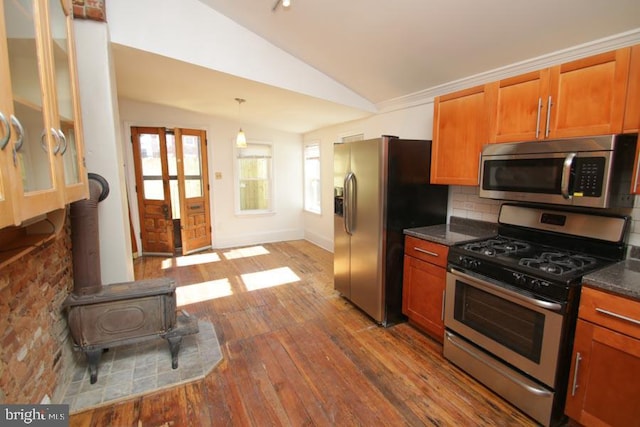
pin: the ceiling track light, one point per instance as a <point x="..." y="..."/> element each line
<point x="284" y="3"/>
<point x="241" y="139"/>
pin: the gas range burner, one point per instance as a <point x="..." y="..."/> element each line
<point x="558" y="262"/>
<point x="497" y="246"/>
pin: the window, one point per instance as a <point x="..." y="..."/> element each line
<point x="312" y="178"/>
<point x="254" y="194"/>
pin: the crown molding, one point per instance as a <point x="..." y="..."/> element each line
<point x="566" y="55"/>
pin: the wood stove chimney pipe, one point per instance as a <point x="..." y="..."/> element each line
<point x="85" y="238"/>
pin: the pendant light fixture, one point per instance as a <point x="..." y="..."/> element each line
<point x="241" y="139"/>
<point x="285" y="4"/>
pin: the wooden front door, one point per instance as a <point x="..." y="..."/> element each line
<point x="152" y="187"/>
<point x="193" y="185"/>
<point x="172" y="184"/>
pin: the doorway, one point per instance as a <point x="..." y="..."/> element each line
<point x="172" y="186"/>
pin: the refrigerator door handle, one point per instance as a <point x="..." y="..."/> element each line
<point x="349" y="201"/>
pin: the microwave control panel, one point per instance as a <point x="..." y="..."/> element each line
<point x="588" y="176"/>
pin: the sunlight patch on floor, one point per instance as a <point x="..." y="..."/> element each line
<point x="269" y="278"/>
<point x="195" y="259"/>
<point x="187" y="260"/>
<point x="203" y="291"/>
<point x="246" y="252"/>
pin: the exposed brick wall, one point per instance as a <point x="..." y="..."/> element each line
<point x="90" y="9"/>
<point x="34" y="349"/>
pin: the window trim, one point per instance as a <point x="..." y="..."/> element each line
<point x="236" y="172"/>
<point x="305" y="207"/>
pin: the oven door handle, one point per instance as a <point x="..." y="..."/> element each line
<point x="533" y="390"/>
<point x="553" y="306"/>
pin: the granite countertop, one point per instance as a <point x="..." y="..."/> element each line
<point x="622" y="278"/>
<point x="457" y="231"/>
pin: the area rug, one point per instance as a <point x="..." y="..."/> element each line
<point x="137" y="369"/>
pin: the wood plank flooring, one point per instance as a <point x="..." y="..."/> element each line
<point x="297" y="354"/>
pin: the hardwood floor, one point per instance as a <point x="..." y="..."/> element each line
<point x="297" y="354"/>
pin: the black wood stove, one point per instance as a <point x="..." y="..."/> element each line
<point x="101" y="317"/>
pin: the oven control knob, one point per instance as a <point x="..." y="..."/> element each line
<point x="468" y="262"/>
<point x="535" y="284"/>
<point x="520" y="278"/>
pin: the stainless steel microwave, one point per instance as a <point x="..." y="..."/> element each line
<point x="592" y="172"/>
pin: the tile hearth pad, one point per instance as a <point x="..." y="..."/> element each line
<point x="133" y="370"/>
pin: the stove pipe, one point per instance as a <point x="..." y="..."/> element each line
<point x="85" y="238"/>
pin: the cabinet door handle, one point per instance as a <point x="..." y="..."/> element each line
<point x="618" y="316"/>
<point x="538" y="117"/>
<point x="63" y="142"/>
<point x="575" y="374"/>
<point x="5" y="139"/>
<point x="43" y="140"/>
<point x="17" y="126"/>
<point x="547" y="130"/>
<point x="56" y="136"/>
<point x="424" y="251"/>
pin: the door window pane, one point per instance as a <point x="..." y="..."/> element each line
<point x="151" y="166"/>
<point x="192" y="166"/>
<point x="172" y="159"/>
<point x="153" y="190"/>
<point x="172" y="163"/>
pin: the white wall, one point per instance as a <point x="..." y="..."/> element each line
<point x="103" y="151"/>
<point x="229" y="229"/>
<point x="415" y="122"/>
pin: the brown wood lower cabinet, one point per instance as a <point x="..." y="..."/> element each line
<point x="604" y="384"/>
<point x="424" y="285"/>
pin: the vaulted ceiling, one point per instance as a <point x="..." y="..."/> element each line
<point x="379" y="50"/>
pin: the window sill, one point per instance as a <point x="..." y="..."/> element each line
<point x="251" y="214"/>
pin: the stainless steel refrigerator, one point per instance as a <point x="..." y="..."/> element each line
<point x="381" y="187"/>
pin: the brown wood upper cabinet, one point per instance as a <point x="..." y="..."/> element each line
<point x="460" y="127"/>
<point x="632" y="109"/>
<point x="579" y="98"/>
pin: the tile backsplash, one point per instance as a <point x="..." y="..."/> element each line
<point x="464" y="202"/>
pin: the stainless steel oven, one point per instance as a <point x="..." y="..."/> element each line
<point x="511" y="301"/>
<point x="516" y="328"/>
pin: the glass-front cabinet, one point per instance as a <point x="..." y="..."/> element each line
<point x="69" y="125"/>
<point x="40" y="133"/>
